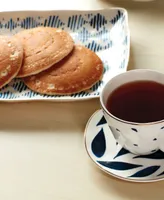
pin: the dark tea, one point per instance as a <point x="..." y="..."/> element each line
<point x="140" y="101"/>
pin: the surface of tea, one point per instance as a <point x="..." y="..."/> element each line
<point x="140" y="101"/>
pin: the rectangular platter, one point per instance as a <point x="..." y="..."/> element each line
<point x="105" y="32"/>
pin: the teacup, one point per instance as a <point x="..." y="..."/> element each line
<point x="138" y="138"/>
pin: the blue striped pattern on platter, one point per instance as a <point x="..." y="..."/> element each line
<point x="105" y="32"/>
<point x="112" y="158"/>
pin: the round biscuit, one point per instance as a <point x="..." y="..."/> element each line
<point x="43" y="47"/>
<point x="79" y="71"/>
<point x="11" y="56"/>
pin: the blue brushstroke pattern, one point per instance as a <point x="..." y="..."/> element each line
<point x="146" y="172"/>
<point x="161" y="174"/>
<point x="98" y="145"/>
<point x="96" y="85"/>
<point x="157" y="155"/>
<point x="98" y="21"/>
<point x="96" y="40"/>
<point x="119" y="165"/>
<point x="122" y="152"/>
<point x="102" y="121"/>
<point x="117" y="17"/>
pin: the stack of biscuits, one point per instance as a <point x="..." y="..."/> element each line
<point x="48" y="62"/>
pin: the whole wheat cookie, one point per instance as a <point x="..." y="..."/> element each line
<point x="79" y="71"/>
<point x="43" y="47"/>
<point x="11" y="56"/>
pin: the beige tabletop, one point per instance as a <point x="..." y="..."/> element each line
<point x="42" y="154"/>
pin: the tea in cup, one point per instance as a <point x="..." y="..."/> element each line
<point x="133" y="106"/>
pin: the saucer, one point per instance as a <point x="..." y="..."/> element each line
<point x="113" y="159"/>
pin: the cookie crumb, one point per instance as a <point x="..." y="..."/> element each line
<point x="60" y="88"/>
<point x="79" y="47"/>
<point x="37" y="82"/>
<point x="97" y="67"/>
<point x="8" y="67"/>
<point x="14" y="55"/>
<point x="4" y="73"/>
<point x="58" y="31"/>
<point x="84" y="82"/>
<point x="51" y="86"/>
<point x="9" y="44"/>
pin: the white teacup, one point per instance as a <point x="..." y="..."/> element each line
<point x="138" y="138"/>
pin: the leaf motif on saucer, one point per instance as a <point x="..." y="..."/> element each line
<point x="98" y="145"/>
<point x="157" y="155"/>
<point x="121" y="152"/>
<point x="117" y="161"/>
<point x="161" y="174"/>
<point x="118" y="165"/>
<point x="102" y="121"/>
<point x="146" y="172"/>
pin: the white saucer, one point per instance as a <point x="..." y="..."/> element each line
<point x="110" y="157"/>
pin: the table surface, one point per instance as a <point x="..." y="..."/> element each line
<point x="42" y="154"/>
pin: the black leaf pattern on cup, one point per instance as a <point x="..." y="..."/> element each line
<point x="134" y="129"/>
